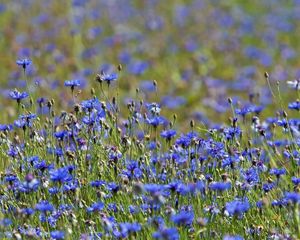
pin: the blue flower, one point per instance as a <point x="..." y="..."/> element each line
<point x="220" y="186"/>
<point x="296" y="181"/>
<point x="44" y="206"/>
<point x="57" y="234"/>
<point x="235" y="237"/>
<point x="72" y="83"/>
<point x="294" y="197"/>
<point x="95" y="207"/>
<point x="237" y="207"/>
<point x="127" y="228"/>
<point x="183" y="218"/>
<point x="277" y="172"/>
<point x="166" y="234"/>
<point x="24" y="63"/>
<point x="108" y="78"/>
<point x="294" y="105"/>
<point x="60" y="175"/>
<point x="168" y="134"/>
<point x="16" y="95"/>
<point x="6" y="127"/>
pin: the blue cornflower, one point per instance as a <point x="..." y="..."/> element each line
<point x="183" y="218"/>
<point x="232" y="132"/>
<point x="277" y="172"/>
<point x="57" y="234"/>
<point x="108" y="78"/>
<point x="95" y="207"/>
<point x="235" y="237"/>
<point x="24" y="63"/>
<point x="168" y="134"/>
<point x="132" y="170"/>
<point x="155" y="121"/>
<point x="97" y="183"/>
<point x="60" y="175"/>
<point x="237" y="207"/>
<point x="44" y="206"/>
<point x="6" y="127"/>
<point x="18" y="96"/>
<point x="5" y="222"/>
<point x="127" y="228"/>
<point x="113" y="187"/>
<point x="268" y="186"/>
<point x="154" y="108"/>
<point x="293" y="197"/>
<point x="166" y="234"/>
<point x="72" y="83"/>
<point x="220" y="186"/>
<point x="296" y="181"/>
<point x="294" y="105"/>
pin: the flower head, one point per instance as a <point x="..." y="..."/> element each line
<point x="18" y="96"/>
<point x="24" y="63"/>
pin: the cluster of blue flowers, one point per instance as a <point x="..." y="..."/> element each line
<point x="177" y="158"/>
<point x="141" y="176"/>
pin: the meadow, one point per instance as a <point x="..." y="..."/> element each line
<point x="148" y="119"/>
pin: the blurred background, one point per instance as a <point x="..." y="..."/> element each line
<point x="200" y="52"/>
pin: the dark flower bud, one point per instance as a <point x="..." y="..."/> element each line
<point x="266" y="75"/>
<point x="120" y="67"/>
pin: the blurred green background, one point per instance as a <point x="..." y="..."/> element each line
<point x="200" y="52"/>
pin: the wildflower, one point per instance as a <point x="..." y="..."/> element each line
<point x="220" y="186"/>
<point x="18" y="96"/>
<point x="168" y="134"/>
<point x="155" y="121"/>
<point x="72" y="84"/>
<point x="5" y="127"/>
<point x="296" y="181"/>
<point x="231" y="237"/>
<point x="268" y="186"/>
<point x="294" y="105"/>
<point x="154" y="108"/>
<point x="237" y="207"/>
<point x="128" y="228"/>
<point x="183" y="218"/>
<point x="44" y="206"/>
<point x="60" y="175"/>
<point x="57" y="235"/>
<point x="95" y="207"/>
<point x="24" y="63"/>
<point x="166" y="234"/>
<point x="293" y="197"/>
<point x="277" y="172"/>
<point x="108" y="78"/>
